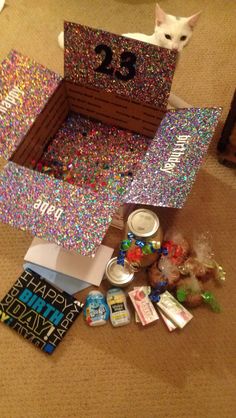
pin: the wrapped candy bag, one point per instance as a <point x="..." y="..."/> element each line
<point x="186" y="270"/>
<point x="189" y="291"/>
<point x="177" y="246"/>
<point x="163" y="270"/>
<point x="202" y="263"/>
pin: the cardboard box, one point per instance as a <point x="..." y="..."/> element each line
<point x="117" y="88"/>
<point x="57" y="259"/>
<point x="61" y="281"/>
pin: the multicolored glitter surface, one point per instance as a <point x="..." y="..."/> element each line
<point x="93" y="155"/>
<point x="25" y="87"/>
<point x="78" y="217"/>
<point x="174" y="157"/>
<point x="55" y="210"/>
<point x="99" y="162"/>
<point x="104" y="60"/>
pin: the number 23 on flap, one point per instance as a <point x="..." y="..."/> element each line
<point x="126" y="67"/>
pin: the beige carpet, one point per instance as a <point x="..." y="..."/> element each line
<point x="134" y="372"/>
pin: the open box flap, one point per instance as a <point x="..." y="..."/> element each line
<point x="54" y="210"/>
<point x="25" y="87"/>
<point x="170" y="165"/>
<point x="114" y="64"/>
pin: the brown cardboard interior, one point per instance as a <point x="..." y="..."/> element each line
<point x="113" y="109"/>
<point x="44" y="127"/>
<point x="92" y="102"/>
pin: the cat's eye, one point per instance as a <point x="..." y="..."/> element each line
<point x="183" y="38"/>
<point x="167" y="36"/>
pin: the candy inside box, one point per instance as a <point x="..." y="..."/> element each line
<point x="81" y="146"/>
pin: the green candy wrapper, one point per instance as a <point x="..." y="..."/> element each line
<point x="209" y="298"/>
<point x="181" y="295"/>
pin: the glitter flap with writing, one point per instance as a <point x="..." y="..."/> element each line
<point x="115" y="64"/>
<point x="25" y="87"/>
<point x="173" y="158"/>
<point x="52" y="209"/>
<point x="38" y="311"/>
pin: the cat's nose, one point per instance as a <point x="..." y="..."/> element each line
<point x="175" y="49"/>
<point x="175" y="46"/>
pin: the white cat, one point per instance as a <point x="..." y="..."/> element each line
<point x="170" y="32"/>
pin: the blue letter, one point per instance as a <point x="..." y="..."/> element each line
<point x="56" y="317"/>
<point x="25" y="295"/>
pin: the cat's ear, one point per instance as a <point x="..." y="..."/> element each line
<point x="192" y="20"/>
<point x="160" y="15"/>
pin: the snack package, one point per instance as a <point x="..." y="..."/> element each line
<point x="174" y="310"/>
<point x="147" y="290"/>
<point x="143" y="306"/>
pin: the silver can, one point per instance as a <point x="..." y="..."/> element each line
<point x="118" y="275"/>
<point x="143" y="223"/>
<point x="145" y="226"/>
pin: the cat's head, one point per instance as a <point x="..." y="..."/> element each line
<point x="173" y="32"/>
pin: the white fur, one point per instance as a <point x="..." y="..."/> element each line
<point x="172" y="26"/>
<point x="168" y="26"/>
<point x="60" y="40"/>
<point x="2" y="3"/>
<point x="176" y="28"/>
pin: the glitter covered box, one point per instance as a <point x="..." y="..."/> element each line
<point x="80" y="146"/>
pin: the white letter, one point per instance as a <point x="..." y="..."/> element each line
<point x="37" y="204"/>
<point x="50" y="209"/>
<point x="184" y="137"/>
<point x="44" y="207"/>
<point x="11" y="99"/>
<point x="19" y="90"/>
<point x="177" y="154"/>
<point x="6" y="104"/>
<point x="169" y="165"/>
<point x="166" y="170"/>
<point x="58" y="213"/>
<point x="3" y="109"/>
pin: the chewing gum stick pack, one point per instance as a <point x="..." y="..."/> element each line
<point x="143" y="306"/>
<point x="174" y="310"/>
